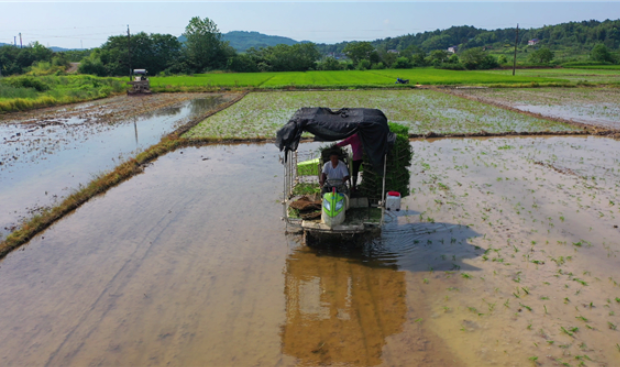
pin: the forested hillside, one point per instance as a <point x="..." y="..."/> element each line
<point x="579" y="36"/>
<point x="241" y="41"/>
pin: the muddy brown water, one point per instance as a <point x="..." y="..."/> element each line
<point x="189" y="264"/>
<point x="44" y="159"/>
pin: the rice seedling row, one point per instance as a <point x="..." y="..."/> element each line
<point x="261" y="114"/>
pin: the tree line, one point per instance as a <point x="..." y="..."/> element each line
<point x="204" y="50"/>
<point x="580" y="36"/>
<point x="16" y="60"/>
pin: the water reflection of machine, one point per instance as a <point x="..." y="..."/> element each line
<point x="339" y="311"/>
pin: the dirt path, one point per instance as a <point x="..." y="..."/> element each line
<point x="73" y="68"/>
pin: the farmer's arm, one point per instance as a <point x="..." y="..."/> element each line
<point x="345" y="142"/>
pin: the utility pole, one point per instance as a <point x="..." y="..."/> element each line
<point x="15" y="41"/>
<point x="21" y="45"/>
<point x="129" y="49"/>
<point x="514" y="63"/>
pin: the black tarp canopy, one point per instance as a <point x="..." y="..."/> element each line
<point x="331" y="125"/>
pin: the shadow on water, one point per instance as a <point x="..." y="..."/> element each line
<point x="406" y="244"/>
<point x="345" y="298"/>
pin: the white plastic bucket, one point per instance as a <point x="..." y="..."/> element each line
<point x="392" y="200"/>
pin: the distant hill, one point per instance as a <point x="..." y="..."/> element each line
<point x="53" y="48"/>
<point x="241" y="41"/>
<point x="60" y="49"/>
<point x="577" y="37"/>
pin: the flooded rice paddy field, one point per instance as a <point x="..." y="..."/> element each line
<point x="545" y="283"/>
<point x="46" y="154"/>
<point x="262" y="114"/>
<point x="595" y="106"/>
<point x="598" y="76"/>
<point x="505" y="254"/>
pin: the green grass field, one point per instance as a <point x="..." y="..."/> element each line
<point x="556" y="72"/>
<point x="171" y="83"/>
<point x="594" y="76"/>
<point x="343" y="79"/>
<point x="597" y="67"/>
<point x="261" y="114"/>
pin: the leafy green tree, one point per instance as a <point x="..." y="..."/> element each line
<point x="388" y="58"/>
<point x="438" y="57"/>
<point x="541" y="56"/>
<point x="204" y="47"/>
<point x="242" y="63"/>
<point x="374" y="57"/>
<point x="378" y="66"/>
<point x="600" y="53"/>
<point x="402" y="63"/>
<point x="14" y="60"/>
<point x="502" y="59"/>
<point x="489" y="62"/>
<point x="358" y="51"/>
<point x="330" y="63"/>
<point x="476" y="58"/>
<point x="419" y="59"/>
<point x="153" y="52"/>
<point x="472" y="57"/>
<point x="454" y="59"/>
<point x="298" y="57"/>
<point x="92" y="65"/>
<point x="363" y="64"/>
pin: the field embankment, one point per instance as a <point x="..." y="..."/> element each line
<point x="21" y="93"/>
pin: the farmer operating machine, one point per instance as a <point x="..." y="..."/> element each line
<point x="335" y="211"/>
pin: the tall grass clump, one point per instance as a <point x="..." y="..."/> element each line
<point x="23" y="93"/>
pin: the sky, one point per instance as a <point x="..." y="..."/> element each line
<point x="88" y="24"/>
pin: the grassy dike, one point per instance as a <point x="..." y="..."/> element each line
<point x="105" y="181"/>
<point x="22" y="93"/>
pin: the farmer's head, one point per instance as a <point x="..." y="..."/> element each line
<point x="333" y="157"/>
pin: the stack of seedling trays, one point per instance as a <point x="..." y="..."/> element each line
<point x="398" y="163"/>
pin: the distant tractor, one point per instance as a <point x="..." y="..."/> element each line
<point x="140" y="83"/>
